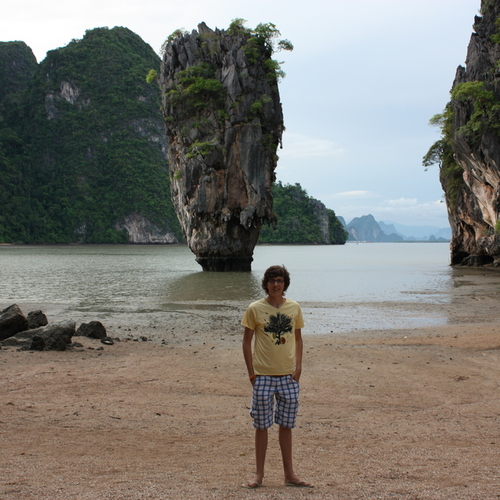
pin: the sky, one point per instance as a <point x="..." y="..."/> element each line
<point x="361" y="84"/>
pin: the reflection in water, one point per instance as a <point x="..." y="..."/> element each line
<point x="213" y="287"/>
<point x="464" y="276"/>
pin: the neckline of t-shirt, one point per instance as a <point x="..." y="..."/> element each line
<point x="274" y="307"/>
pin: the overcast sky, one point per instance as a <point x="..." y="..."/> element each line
<point x="362" y="83"/>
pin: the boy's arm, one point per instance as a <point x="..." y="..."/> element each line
<point x="247" y="352"/>
<point x="299" y="349"/>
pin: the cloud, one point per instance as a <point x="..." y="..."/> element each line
<point x="301" y="146"/>
<point x="433" y="213"/>
<point x="401" y="202"/>
<point x="355" y="194"/>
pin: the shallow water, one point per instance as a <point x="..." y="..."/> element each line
<point x="340" y="287"/>
<point x="126" y="276"/>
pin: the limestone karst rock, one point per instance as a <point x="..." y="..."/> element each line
<point x="471" y="179"/>
<point x="224" y="122"/>
<point x="83" y="144"/>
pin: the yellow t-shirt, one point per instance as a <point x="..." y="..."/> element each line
<point x="274" y="350"/>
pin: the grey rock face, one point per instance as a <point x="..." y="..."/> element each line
<point x="474" y="206"/>
<point x="141" y="230"/>
<point x="320" y="212"/>
<point x="224" y="123"/>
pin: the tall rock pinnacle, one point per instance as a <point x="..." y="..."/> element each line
<point x="224" y="123"/>
<point x="469" y="150"/>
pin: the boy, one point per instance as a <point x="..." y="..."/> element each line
<point x="274" y="369"/>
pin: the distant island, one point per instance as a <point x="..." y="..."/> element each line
<point x="366" y="228"/>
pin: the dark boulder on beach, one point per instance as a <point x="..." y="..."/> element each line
<point x="35" y="333"/>
<point x="36" y="319"/>
<point x="12" y="321"/>
<point x="53" y="337"/>
<point x="92" y="330"/>
<point x="22" y="339"/>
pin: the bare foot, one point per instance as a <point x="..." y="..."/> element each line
<point x="257" y="481"/>
<point x="298" y="483"/>
<point x="251" y="485"/>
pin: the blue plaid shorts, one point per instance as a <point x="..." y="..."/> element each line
<point x="266" y="390"/>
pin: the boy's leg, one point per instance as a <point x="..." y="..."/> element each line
<point x="261" y="438"/>
<point x="285" y="440"/>
<point x="262" y="414"/>
<point x="286" y="414"/>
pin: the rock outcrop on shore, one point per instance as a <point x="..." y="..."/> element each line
<point x="12" y="321"/>
<point x="33" y="332"/>
<point x="224" y="122"/>
<point x="470" y="172"/>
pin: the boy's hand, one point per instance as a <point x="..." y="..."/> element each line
<point x="296" y="374"/>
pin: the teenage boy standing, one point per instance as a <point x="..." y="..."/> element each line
<point x="274" y="369"/>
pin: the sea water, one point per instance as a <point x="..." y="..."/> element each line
<point x="341" y="287"/>
<point x="127" y="275"/>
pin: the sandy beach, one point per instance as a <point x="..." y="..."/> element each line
<point x="400" y="413"/>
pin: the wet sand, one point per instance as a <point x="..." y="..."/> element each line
<point x="399" y="412"/>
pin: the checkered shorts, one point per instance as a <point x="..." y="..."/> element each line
<point x="265" y="390"/>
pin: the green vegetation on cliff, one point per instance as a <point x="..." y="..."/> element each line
<point x="336" y="232"/>
<point x="263" y="37"/>
<point x="17" y="66"/>
<point x="483" y="116"/>
<point x="89" y="145"/>
<point x="441" y="153"/>
<point x="298" y="219"/>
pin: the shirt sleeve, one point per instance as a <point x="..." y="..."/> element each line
<point x="299" y="319"/>
<point x="249" y="319"/>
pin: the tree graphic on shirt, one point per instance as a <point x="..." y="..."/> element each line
<point x="279" y="325"/>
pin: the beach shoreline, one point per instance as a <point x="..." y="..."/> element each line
<point x="163" y="413"/>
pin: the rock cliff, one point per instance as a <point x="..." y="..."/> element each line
<point x="83" y="150"/>
<point x="471" y="175"/>
<point x="142" y="230"/>
<point x="224" y="123"/>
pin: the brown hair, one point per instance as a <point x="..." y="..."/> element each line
<point x="274" y="272"/>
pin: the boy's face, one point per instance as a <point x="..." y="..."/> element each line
<point x="276" y="286"/>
